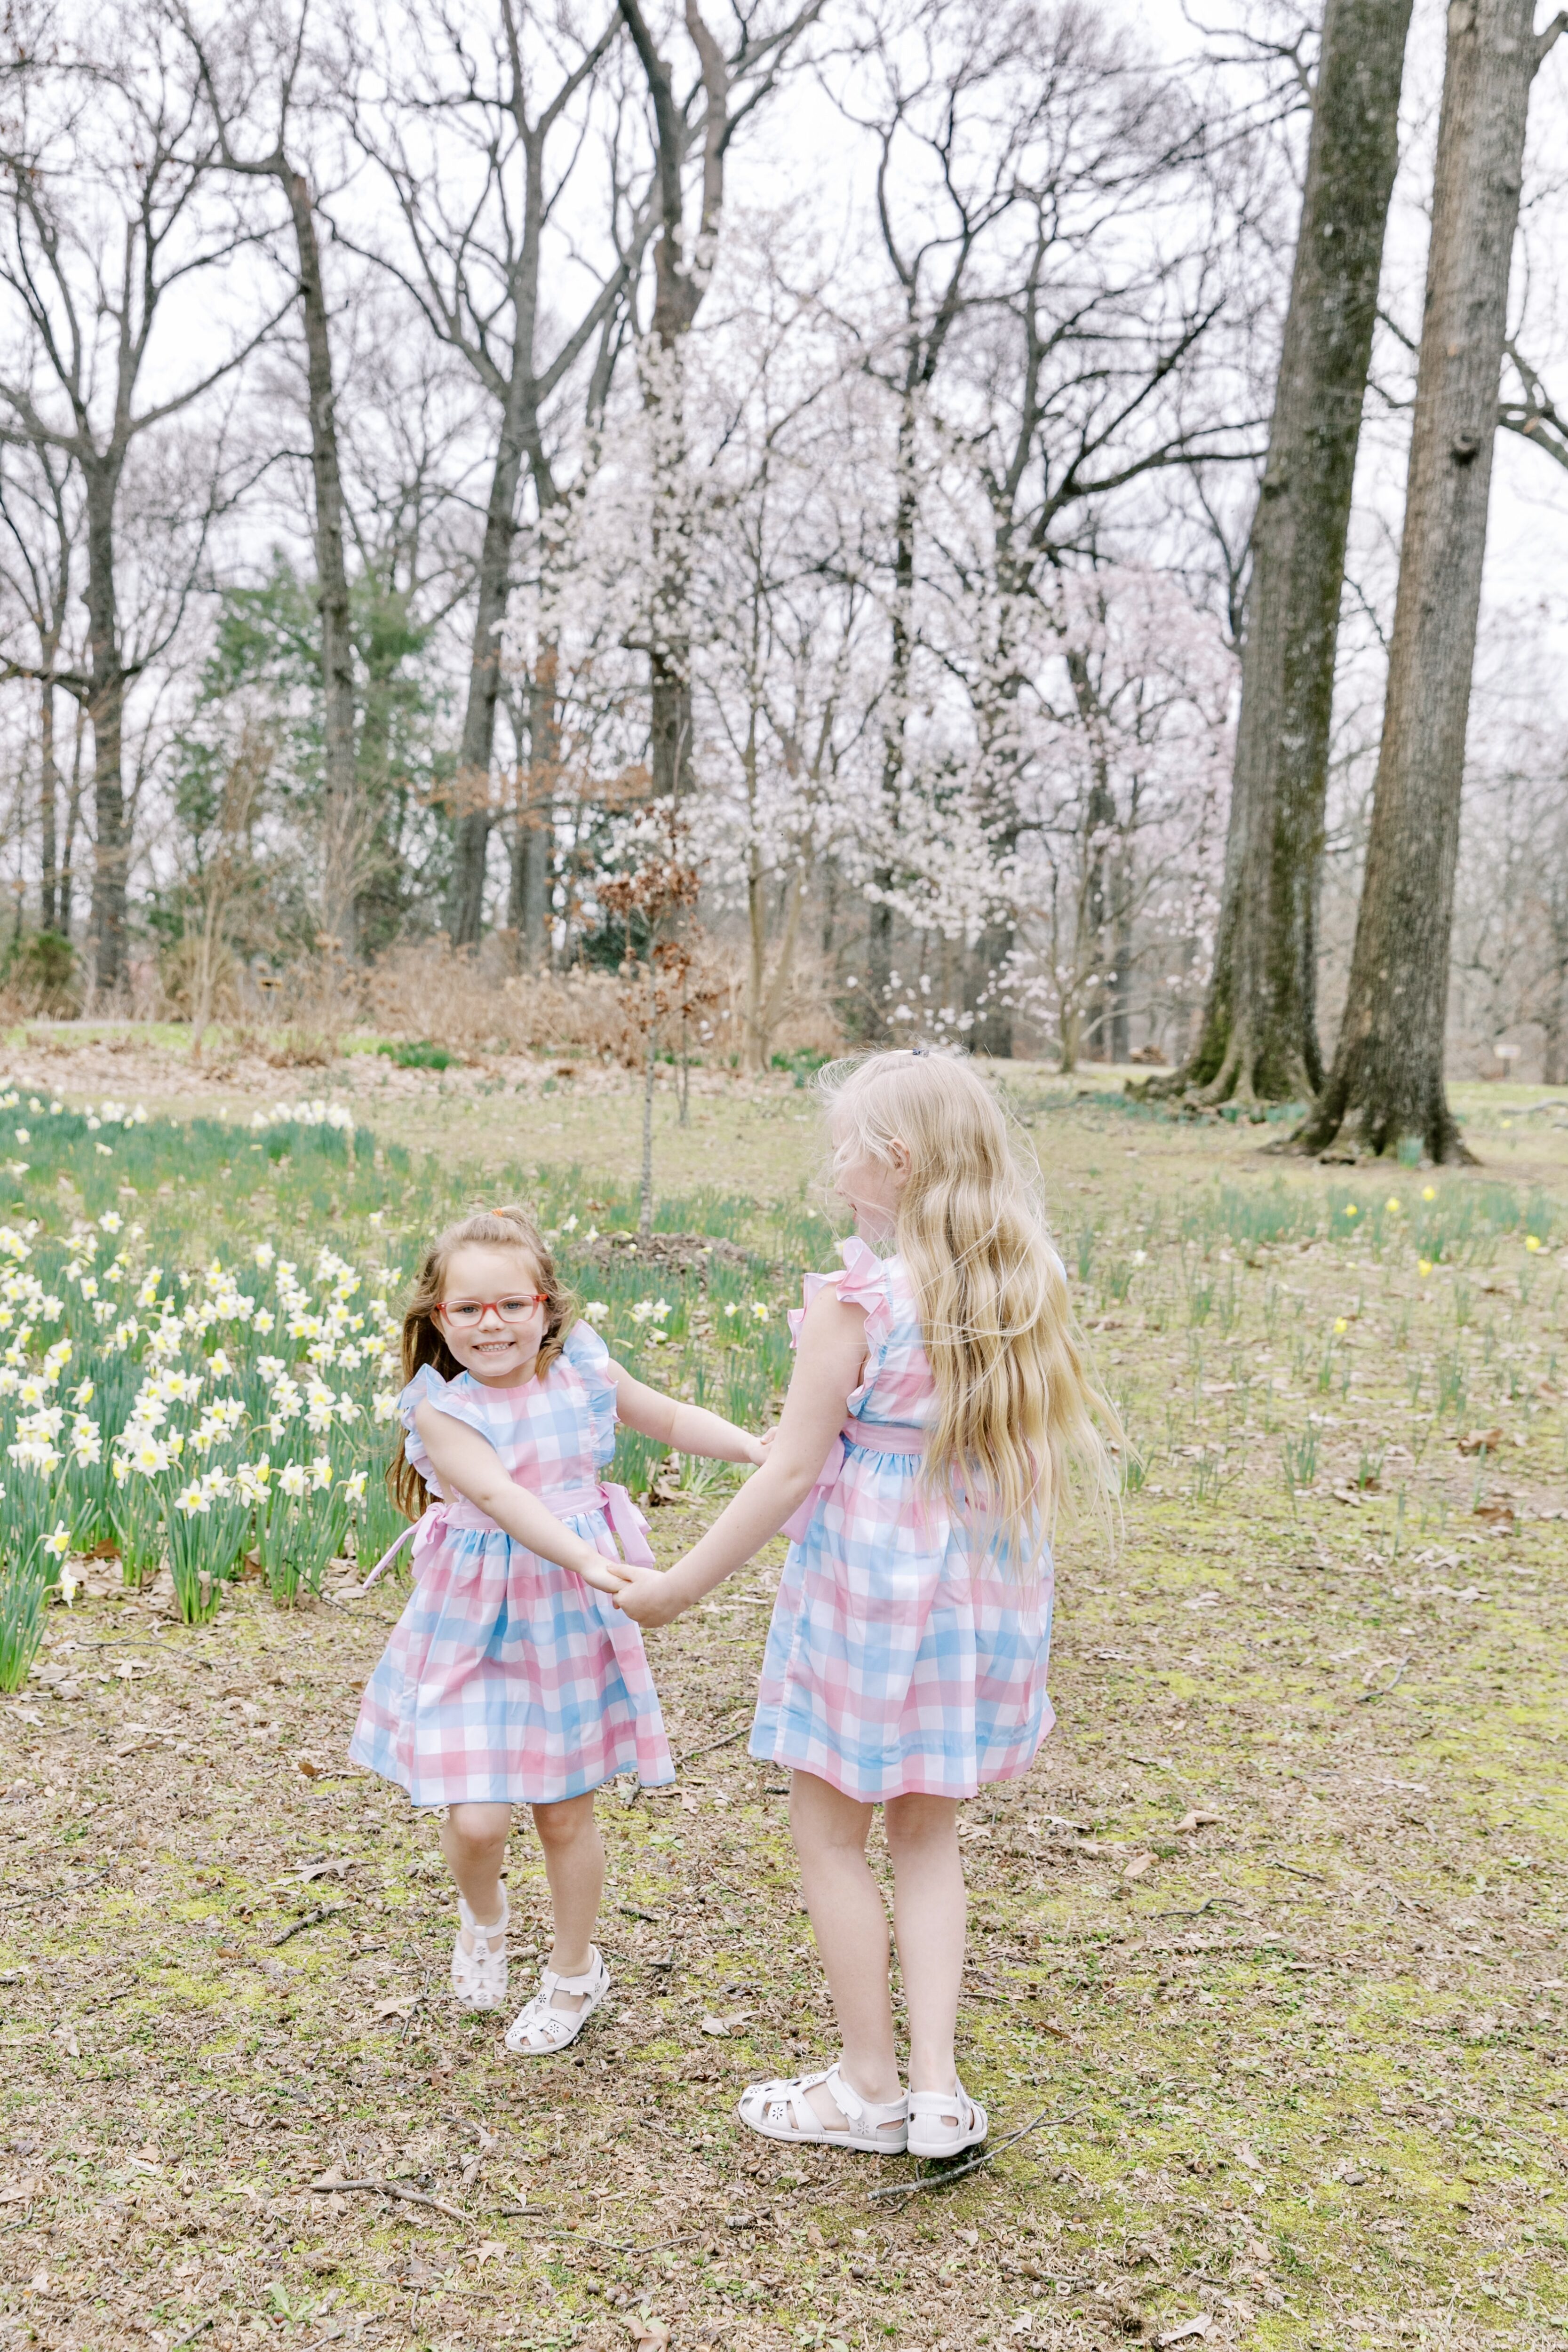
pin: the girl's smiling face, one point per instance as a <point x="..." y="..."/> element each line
<point x="499" y="1350"/>
<point x="871" y="1188"/>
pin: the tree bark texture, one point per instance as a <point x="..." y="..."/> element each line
<point x="111" y="847"/>
<point x="471" y="791"/>
<point x="1258" y="1039"/>
<point x="49" y="807"/>
<point x="1386" y="1083"/>
<point x="340" y="844"/>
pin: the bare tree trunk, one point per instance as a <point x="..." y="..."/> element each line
<point x="107" y="711"/>
<point x="683" y="267"/>
<point x="650" y="1067"/>
<point x="1555" y="1062"/>
<point x="341" y="826"/>
<point x="1386" y="1083"/>
<point x="543" y="782"/>
<point x="471" y="790"/>
<point x="1121" y="954"/>
<point x="48" y="805"/>
<point x="1258" y="1037"/>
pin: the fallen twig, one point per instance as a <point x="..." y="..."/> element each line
<point x="1297" y="1872"/>
<point x="388" y="2188"/>
<point x="709" y="1745"/>
<point x="1365" y="1698"/>
<point x="312" y="1919"/>
<point x="940" y="2180"/>
<point x="630" y="1911"/>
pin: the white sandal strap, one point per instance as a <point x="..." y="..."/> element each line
<point x="496" y="1927"/>
<point x="792" y="2091"/>
<point x="549" y="1982"/>
<point x="956" y="2102"/>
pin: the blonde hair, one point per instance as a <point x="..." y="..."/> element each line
<point x="1017" y="1407"/>
<point x="424" y="1342"/>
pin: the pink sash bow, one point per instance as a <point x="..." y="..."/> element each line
<point x="567" y="1502"/>
<point x="875" y="1437"/>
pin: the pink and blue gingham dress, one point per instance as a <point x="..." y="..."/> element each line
<point x="508" y="1680"/>
<point x="901" y="1660"/>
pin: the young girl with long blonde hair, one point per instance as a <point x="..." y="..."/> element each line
<point x="511" y="1677"/>
<point x="937" y="1403"/>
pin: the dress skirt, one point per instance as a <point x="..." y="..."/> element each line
<point x="508" y="1680"/>
<point x="895" y="1666"/>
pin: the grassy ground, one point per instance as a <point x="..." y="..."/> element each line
<point x="1267" y="1949"/>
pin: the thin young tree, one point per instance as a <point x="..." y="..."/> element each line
<point x="40" y="548"/>
<point x="252" y="71"/>
<point x="730" y="83"/>
<point x="1385" y="1087"/>
<point x="480" y="133"/>
<point x="105" y="163"/>
<point x="1258" y="1039"/>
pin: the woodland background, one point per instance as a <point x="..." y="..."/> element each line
<point x="491" y="494"/>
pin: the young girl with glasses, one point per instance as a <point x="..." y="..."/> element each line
<point x="511" y="1677"/>
<point x="939" y="1374"/>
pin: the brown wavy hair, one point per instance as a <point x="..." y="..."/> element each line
<point x="423" y="1342"/>
<point x="1017" y="1407"/>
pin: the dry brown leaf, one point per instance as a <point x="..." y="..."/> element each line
<point x="717" y="2027"/>
<point x="1195" y="1820"/>
<point x="1479" y="1441"/>
<point x="1201" y="2325"/>
<point x="1139" y="1865"/>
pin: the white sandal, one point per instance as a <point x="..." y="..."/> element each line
<point x="538" y="2029"/>
<point x="479" y="1978"/>
<point x="945" y="2123"/>
<point x="781" y="2110"/>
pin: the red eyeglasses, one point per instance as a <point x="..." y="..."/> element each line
<point x="465" y="1314"/>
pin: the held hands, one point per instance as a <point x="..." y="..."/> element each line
<point x="605" y="1575"/>
<point x="651" y="1596"/>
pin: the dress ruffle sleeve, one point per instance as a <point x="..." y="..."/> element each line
<point x="590" y="1358"/>
<point x="866" y="1282"/>
<point x="452" y="1397"/>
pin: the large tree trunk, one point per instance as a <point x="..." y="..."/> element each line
<point x="110" y="848"/>
<point x="471" y="792"/>
<point x="48" y="802"/>
<point x="1258" y="1038"/>
<point x="340" y="844"/>
<point x="1386" y="1083"/>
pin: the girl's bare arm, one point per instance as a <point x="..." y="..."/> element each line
<point x="468" y="1465"/>
<point x="690" y="1428"/>
<point x="828" y="1367"/>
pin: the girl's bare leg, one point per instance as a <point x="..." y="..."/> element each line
<point x="473" y="1839"/>
<point x="929" y="1919"/>
<point x="575" y="1866"/>
<point x="851" y="1929"/>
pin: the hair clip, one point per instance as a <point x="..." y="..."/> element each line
<point x="919" y="1050"/>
